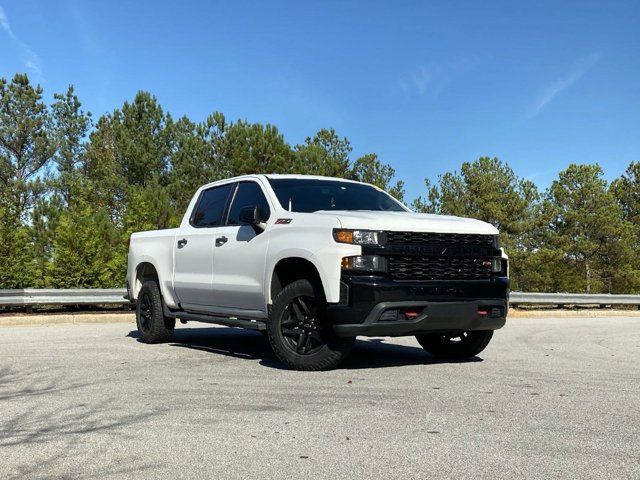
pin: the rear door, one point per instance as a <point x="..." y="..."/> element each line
<point x="239" y="256"/>
<point x="194" y="248"/>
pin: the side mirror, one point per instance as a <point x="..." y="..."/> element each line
<point x="252" y="215"/>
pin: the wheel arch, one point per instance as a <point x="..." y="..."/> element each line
<point x="145" y="271"/>
<point x="289" y="269"/>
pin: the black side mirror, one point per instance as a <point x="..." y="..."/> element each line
<point x="251" y="215"/>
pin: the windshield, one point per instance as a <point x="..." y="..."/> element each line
<point x="301" y="195"/>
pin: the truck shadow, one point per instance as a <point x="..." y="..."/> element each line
<point x="238" y="343"/>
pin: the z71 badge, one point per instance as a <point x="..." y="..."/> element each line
<point x="283" y="221"/>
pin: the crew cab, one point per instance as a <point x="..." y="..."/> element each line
<point x="314" y="262"/>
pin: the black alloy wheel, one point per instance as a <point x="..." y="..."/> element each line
<point x="302" y="330"/>
<point x="146" y="312"/>
<point x="299" y="332"/>
<point x="153" y="326"/>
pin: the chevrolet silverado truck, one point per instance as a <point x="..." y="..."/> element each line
<point x="314" y="262"/>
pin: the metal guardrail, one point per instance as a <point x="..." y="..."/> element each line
<point x="523" y="298"/>
<point x="31" y="297"/>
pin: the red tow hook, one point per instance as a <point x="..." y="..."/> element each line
<point x="482" y="313"/>
<point x="411" y="315"/>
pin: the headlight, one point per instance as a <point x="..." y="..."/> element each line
<point x="358" y="237"/>
<point x="365" y="263"/>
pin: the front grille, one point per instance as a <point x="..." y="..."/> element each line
<point x="432" y="268"/>
<point x="462" y="239"/>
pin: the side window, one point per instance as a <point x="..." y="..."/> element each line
<point x="208" y="212"/>
<point x="247" y="195"/>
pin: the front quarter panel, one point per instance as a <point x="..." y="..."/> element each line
<point x="309" y="236"/>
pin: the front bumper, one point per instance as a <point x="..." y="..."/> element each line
<point x="374" y="306"/>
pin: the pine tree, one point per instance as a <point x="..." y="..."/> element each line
<point x="587" y="226"/>
<point x="255" y="148"/>
<point x="324" y="154"/>
<point x="88" y="251"/>
<point x="370" y="169"/>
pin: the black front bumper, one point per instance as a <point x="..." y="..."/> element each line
<point x="378" y="306"/>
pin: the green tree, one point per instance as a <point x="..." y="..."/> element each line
<point x="370" y="169"/>
<point x="626" y="191"/>
<point x="255" y="148"/>
<point x="17" y="265"/>
<point x="26" y="146"/>
<point x="87" y="250"/>
<point x="142" y="140"/>
<point x="104" y="183"/>
<point x="195" y="157"/>
<point x="587" y="226"/>
<point x="71" y="125"/>
<point x="68" y="131"/>
<point x="129" y="153"/>
<point x="324" y="154"/>
<point x="42" y="227"/>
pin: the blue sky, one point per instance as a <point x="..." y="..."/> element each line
<point x="426" y="85"/>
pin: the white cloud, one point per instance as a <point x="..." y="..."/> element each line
<point x="4" y="23"/>
<point x="578" y="70"/>
<point x="29" y="58"/>
<point x="417" y="81"/>
<point x="432" y="78"/>
<point x="421" y="79"/>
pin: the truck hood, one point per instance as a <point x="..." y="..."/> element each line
<point x="409" y="222"/>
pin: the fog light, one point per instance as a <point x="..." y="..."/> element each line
<point x="495" y="264"/>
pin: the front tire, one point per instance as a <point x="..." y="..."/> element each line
<point x="153" y="326"/>
<point x="299" y="333"/>
<point x="455" y="345"/>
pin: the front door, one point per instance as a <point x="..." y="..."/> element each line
<point x="240" y="252"/>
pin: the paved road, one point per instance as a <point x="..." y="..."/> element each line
<point x="550" y="398"/>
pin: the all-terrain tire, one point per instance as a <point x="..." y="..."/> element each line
<point x="153" y="326"/>
<point x="326" y="350"/>
<point x="457" y="346"/>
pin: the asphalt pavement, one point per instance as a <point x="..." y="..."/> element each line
<point x="549" y="398"/>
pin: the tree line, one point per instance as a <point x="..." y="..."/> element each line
<point x="73" y="189"/>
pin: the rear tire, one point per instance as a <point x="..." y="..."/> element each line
<point x="153" y="326"/>
<point x="455" y="345"/>
<point x="299" y="333"/>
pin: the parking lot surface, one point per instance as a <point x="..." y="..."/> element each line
<point x="549" y="398"/>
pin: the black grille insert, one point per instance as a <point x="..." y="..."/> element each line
<point x="432" y="268"/>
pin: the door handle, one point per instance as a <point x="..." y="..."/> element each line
<point x="221" y="241"/>
<point x="182" y="243"/>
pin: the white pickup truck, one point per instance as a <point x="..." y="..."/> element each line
<point x="314" y="262"/>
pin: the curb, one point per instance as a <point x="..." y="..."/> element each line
<point x="584" y="313"/>
<point x="44" y="319"/>
<point x="65" y="319"/>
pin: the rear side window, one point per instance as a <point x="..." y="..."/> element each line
<point x="208" y="212"/>
<point x="247" y="195"/>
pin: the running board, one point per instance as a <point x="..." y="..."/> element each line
<point x="227" y="321"/>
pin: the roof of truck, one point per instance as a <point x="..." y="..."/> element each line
<point x="308" y="177"/>
<point x="275" y="176"/>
